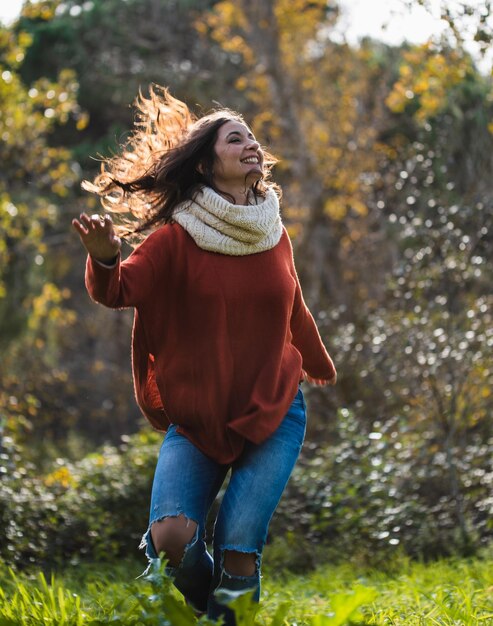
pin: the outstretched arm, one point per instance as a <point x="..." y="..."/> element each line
<point x="109" y="281"/>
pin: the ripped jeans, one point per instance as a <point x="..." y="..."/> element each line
<point x="186" y="482"/>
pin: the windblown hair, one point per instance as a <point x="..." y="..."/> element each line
<point x="167" y="159"/>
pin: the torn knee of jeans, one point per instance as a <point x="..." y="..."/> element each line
<point x="235" y="576"/>
<point x="151" y="551"/>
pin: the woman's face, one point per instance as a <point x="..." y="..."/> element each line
<point x="239" y="158"/>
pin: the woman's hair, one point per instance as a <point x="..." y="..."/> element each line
<point x="166" y="160"/>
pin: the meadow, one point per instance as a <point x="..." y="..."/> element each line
<point x="450" y="592"/>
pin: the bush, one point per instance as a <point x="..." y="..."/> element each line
<point x="373" y="494"/>
<point x="95" y="509"/>
<point x="368" y="495"/>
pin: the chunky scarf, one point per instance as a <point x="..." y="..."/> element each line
<point x="220" y="226"/>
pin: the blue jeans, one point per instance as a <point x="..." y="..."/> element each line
<point x="186" y="483"/>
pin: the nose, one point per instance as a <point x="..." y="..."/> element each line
<point x="253" y="144"/>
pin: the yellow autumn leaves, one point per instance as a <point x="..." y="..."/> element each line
<point x="426" y="79"/>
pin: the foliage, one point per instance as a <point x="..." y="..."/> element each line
<point x="419" y="355"/>
<point x="428" y="78"/>
<point x="351" y="499"/>
<point x="116" y="48"/>
<point x="28" y="116"/>
<point x="369" y="497"/>
<point x="36" y="178"/>
<point x="94" y="509"/>
<point x="415" y="354"/>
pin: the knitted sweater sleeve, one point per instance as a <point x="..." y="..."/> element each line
<point x="306" y="338"/>
<point x="126" y="283"/>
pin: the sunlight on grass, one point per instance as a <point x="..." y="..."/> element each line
<point x="446" y="593"/>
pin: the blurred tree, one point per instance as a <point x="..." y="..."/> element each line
<point x="117" y="48"/>
<point x="427" y="347"/>
<point x="34" y="177"/>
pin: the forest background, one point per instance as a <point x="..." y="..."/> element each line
<point x="386" y="168"/>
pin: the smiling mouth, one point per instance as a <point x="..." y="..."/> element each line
<point x="251" y="160"/>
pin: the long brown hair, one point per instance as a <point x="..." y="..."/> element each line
<point x="168" y="157"/>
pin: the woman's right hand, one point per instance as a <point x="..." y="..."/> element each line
<point x="98" y="236"/>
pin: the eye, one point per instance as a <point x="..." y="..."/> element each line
<point x="236" y="140"/>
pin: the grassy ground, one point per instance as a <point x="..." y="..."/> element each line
<point x="446" y="593"/>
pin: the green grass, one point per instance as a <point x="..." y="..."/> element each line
<point x="446" y="593"/>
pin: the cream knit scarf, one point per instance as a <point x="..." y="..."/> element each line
<point x="220" y="226"/>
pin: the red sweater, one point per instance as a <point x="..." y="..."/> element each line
<point x="218" y="341"/>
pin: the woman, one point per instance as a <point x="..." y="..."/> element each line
<point x="221" y="337"/>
